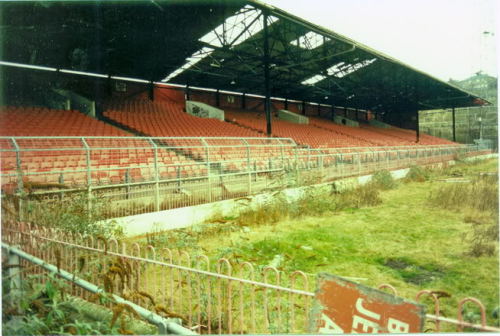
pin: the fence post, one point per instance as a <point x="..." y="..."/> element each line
<point x="359" y="163"/>
<point x="14" y="276"/>
<point x="249" y="169"/>
<point x="308" y="157"/>
<point x="20" y="182"/>
<point x="89" y="177"/>
<point x="157" y="175"/>
<point x="209" y="168"/>
<point x="297" y="177"/>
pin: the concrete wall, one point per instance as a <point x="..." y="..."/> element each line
<point x="193" y="215"/>
<point x="292" y="117"/>
<point x="188" y="216"/>
<point x="203" y="110"/>
<point x="57" y="101"/>
<point x="78" y="102"/>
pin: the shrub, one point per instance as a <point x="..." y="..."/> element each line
<point x="383" y="179"/>
<point x="47" y="309"/>
<point x="72" y="214"/>
<point x="483" y="236"/>
<point x="367" y="195"/>
<point x="417" y="174"/>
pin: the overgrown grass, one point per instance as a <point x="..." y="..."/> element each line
<point x="480" y="193"/>
<point x="376" y="236"/>
<point x="72" y="214"/>
<point x="384" y="180"/>
<point x="312" y="203"/>
<point x="418" y="174"/>
<point x="476" y="197"/>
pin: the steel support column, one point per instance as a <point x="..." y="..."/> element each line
<point x="453" y="123"/>
<point x="217" y="98"/>
<point x="244" y="101"/>
<point x="303" y="107"/>
<point x="286" y="103"/>
<point x="187" y="93"/>
<point x="267" y="101"/>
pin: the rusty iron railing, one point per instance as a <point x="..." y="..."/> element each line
<point x="211" y="296"/>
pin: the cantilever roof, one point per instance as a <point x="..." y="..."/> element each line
<point x="217" y="44"/>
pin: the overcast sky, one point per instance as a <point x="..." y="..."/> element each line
<point x="441" y="37"/>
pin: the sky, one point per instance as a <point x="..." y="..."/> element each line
<point x="444" y="38"/>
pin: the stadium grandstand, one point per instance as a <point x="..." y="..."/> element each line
<point x="154" y="115"/>
<point x="131" y="103"/>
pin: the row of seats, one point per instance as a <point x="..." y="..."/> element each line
<point x="303" y="134"/>
<point x="54" y="160"/>
<point x="130" y="159"/>
<point x="167" y="119"/>
<point x="336" y="135"/>
<point x="35" y="121"/>
<point x="378" y="139"/>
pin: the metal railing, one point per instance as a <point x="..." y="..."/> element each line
<point x="218" y="296"/>
<point x="165" y="326"/>
<point x="140" y="175"/>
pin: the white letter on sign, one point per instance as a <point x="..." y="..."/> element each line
<point x="357" y="320"/>
<point x="366" y="312"/>
<point x="330" y="326"/>
<point x="396" y="326"/>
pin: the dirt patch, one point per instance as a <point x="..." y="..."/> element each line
<point x="413" y="273"/>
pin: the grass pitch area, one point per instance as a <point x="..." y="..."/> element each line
<point x="437" y="230"/>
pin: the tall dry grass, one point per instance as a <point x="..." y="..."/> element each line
<point x="478" y="201"/>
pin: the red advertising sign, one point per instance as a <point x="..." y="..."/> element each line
<point x="345" y="307"/>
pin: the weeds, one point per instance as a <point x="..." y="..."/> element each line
<point x="312" y="203"/>
<point x="478" y="200"/>
<point x="383" y="180"/>
<point x="483" y="236"/>
<point x="418" y="174"/>
<point x="43" y="310"/>
<point x="480" y="194"/>
<point x="71" y="214"/>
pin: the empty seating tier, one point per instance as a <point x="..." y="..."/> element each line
<point x="308" y="135"/>
<point x="52" y="160"/>
<point x="38" y="121"/>
<point x="167" y="119"/>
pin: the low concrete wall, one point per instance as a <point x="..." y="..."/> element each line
<point x="292" y="117"/>
<point x="203" y="110"/>
<point x="78" y="102"/>
<point x="344" y="121"/>
<point x="188" y="216"/>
